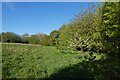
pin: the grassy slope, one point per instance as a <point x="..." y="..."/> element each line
<point x="35" y="61"/>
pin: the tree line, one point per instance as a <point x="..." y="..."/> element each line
<point x="11" y="37"/>
<point x="96" y="29"/>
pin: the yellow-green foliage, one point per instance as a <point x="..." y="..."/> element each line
<point x="110" y="13"/>
<point x="82" y="32"/>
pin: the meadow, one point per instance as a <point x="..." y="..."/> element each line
<point x="46" y="62"/>
<point x="85" y="48"/>
<point x="22" y="61"/>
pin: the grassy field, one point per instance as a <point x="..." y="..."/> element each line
<point x="35" y="61"/>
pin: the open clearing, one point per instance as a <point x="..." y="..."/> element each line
<point x="31" y="61"/>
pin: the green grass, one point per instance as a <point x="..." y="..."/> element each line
<point x="36" y="61"/>
<point x="33" y="61"/>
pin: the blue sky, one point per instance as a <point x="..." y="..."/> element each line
<point x="38" y="17"/>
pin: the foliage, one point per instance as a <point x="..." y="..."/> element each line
<point x="64" y="35"/>
<point x="95" y="29"/>
<point x="54" y="38"/>
<point x="91" y="33"/>
<point x="92" y="70"/>
<point x="33" y="39"/>
<point x="25" y="38"/>
<point x="83" y="33"/>
<point x="42" y="39"/>
<point x="10" y="37"/>
<point x="111" y="27"/>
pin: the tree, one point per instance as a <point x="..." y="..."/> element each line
<point x="42" y="39"/>
<point x="64" y="36"/>
<point x="54" y="38"/>
<point x="10" y="37"/>
<point x="111" y="27"/>
<point x="33" y="39"/>
<point x="25" y="38"/>
<point x="83" y="33"/>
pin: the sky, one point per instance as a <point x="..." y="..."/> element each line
<point x="38" y="17"/>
